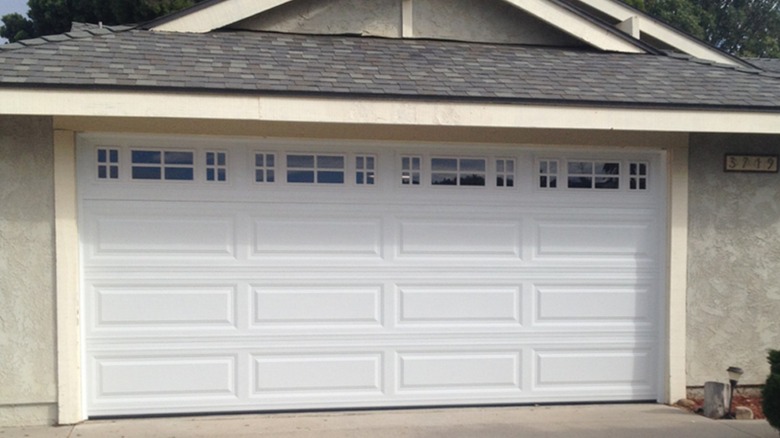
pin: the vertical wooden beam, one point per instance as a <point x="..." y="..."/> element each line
<point x="69" y="385"/>
<point x="678" y="273"/>
<point x="407" y="22"/>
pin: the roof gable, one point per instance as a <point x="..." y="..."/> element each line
<point x="216" y="14"/>
<point x="608" y="25"/>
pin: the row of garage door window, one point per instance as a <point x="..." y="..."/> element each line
<point x="176" y="165"/>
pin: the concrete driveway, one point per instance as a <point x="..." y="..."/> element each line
<point x="581" y="421"/>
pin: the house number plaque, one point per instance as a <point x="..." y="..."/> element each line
<point x="751" y="163"/>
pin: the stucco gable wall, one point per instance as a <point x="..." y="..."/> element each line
<point x="27" y="319"/>
<point x="478" y="20"/>
<point x="465" y="20"/>
<point x="733" y="261"/>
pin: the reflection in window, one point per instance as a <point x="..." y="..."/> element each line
<point x="637" y="176"/>
<point x="410" y="171"/>
<point x="458" y="171"/>
<point x="548" y="174"/>
<point x="108" y="163"/>
<point x="319" y="169"/>
<point x="365" y="169"/>
<point x="265" y="167"/>
<point x="216" y="166"/>
<point x="593" y="175"/>
<point x="163" y="165"/>
<point x="505" y="172"/>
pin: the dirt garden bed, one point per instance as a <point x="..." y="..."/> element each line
<point x="750" y="400"/>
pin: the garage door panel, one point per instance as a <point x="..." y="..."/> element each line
<point x="586" y="303"/>
<point x="628" y="368"/>
<point x="315" y="306"/>
<point x="295" y="237"/>
<point x="459" y="370"/>
<point x="457" y="305"/>
<point x="172" y="236"/>
<point x="164" y="307"/>
<point x="474" y="238"/>
<point x="324" y="373"/>
<point x="165" y="376"/>
<point x="589" y="239"/>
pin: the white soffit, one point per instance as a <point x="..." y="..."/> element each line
<point x="218" y="15"/>
<point x="661" y="31"/>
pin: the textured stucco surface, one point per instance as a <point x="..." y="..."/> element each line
<point x="362" y="17"/>
<point x="27" y="299"/>
<point x="464" y="20"/>
<point x="478" y="20"/>
<point x="733" y="261"/>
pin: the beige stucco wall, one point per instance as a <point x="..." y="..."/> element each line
<point x="27" y="319"/>
<point x="465" y="20"/>
<point x="369" y="17"/>
<point x="733" y="261"/>
<point x="487" y="21"/>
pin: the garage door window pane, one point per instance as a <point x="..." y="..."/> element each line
<point x="264" y="167"/>
<point x="216" y="166"/>
<point x="163" y="165"/>
<point x="179" y="174"/>
<point x="637" y="176"/>
<point x="147" y="157"/>
<point x="147" y="173"/>
<point x="300" y="176"/>
<point x="410" y="171"/>
<point x="300" y="161"/>
<point x="593" y="175"/>
<point x="458" y="171"/>
<point x="548" y="174"/>
<point x="330" y="162"/>
<point x="365" y="170"/>
<point x="505" y="173"/>
<point x="178" y="158"/>
<point x="320" y="169"/>
<point x="108" y="163"/>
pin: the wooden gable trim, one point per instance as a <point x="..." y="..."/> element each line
<point x="213" y="15"/>
<point x="586" y="30"/>
<point x="667" y="34"/>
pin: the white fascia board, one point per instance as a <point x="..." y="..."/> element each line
<point x="82" y="103"/>
<point x="218" y="15"/>
<point x="662" y="32"/>
<point x="576" y="26"/>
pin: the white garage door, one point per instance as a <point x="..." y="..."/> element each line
<point x="223" y="275"/>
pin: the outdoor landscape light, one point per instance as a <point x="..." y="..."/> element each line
<point x="734" y="374"/>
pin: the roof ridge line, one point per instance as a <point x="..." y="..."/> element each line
<point x="739" y="68"/>
<point x="100" y="30"/>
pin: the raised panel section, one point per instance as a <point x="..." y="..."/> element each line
<point x="466" y="370"/>
<point x="316" y="237"/>
<point x="165" y="306"/>
<point x="579" y="303"/>
<point x="326" y="373"/>
<point x="589" y="239"/>
<point x="467" y="238"/>
<point x="161" y="377"/>
<point x="573" y="368"/>
<point x="170" y="236"/>
<point x="459" y="305"/>
<point x="320" y="306"/>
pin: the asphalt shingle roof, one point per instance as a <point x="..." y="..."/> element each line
<point x="255" y="62"/>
